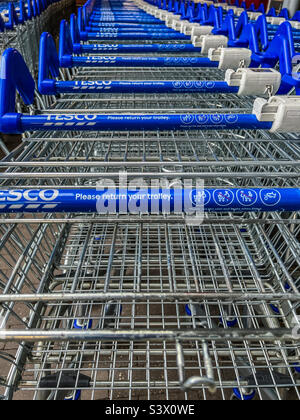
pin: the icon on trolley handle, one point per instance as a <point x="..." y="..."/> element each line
<point x="223" y="197"/>
<point x="177" y="84"/>
<point x="210" y="84"/>
<point x="202" y="118"/>
<point x="199" y="84"/>
<point x="187" y="119"/>
<point x="246" y="197"/>
<point x="270" y="197"/>
<point x="231" y="118"/>
<point x="216" y="119"/>
<point x="200" y="197"/>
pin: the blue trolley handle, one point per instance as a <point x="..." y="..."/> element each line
<point x="14" y="123"/>
<point x="128" y="36"/>
<point x="69" y="43"/>
<point x="16" y="77"/>
<point x="48" y="88"/>
<point x="134" y="48"/>
<point x="49" y="67"/>
<point x="149" y="200"/>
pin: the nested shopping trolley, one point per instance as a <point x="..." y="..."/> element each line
<point x="166" y="68"/>
<point x="22" y="23"/>
<point x="112" y="284"/>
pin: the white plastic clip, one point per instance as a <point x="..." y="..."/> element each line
<point x="295" y="24"/>
<point x="234" y="8"/>
<point x="254" y="82"/>
<point x="169" y="15"/>
<point x="274" y="20"/>
<point x="3" y="15"/>
<point x="254" y="15"/>
<point x="157" y="12"/>
<point x="283" y="111"/>
<point x="230" y="58"/>
<point x="169" y="21"/>
<point x="223" y="5"/>
<point x="238" y="11"/>
<point x="176" y="24"/>
<point x="186" y="27"/>
<point x="206" y="42"/>
<point x="162" y="14"/>
<point x="173" y="22"/>
<point x="151" y="10"/>
<point x="198" y="31"/>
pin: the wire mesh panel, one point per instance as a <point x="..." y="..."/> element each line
<point x="179" y="277"/>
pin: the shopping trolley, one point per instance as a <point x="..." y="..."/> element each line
<point x="134" y="43"/>
<point x="234" y="58"/>
<point x="204" y="20"/>
<point x="18" y="30"/>
<point x="258" y="80"/>
<point x="244" y="36"/>
<point x="232" y="29"/>
<point x="147" y="304"/>
<point x="22" y="24"/>
<point x="181" y="16"/>
<point x="275" y="114"/>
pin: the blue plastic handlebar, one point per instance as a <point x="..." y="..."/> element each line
<point x="150" y="200"/>
<point x="19" y="123"/>
<point x="14" y="76"/>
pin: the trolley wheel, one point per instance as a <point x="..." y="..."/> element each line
<point x="74" y="396"/>
<point x="237" y="396"/>
<point x="230" y="322"/>
<point x="275" y="309"/>
<point x="188" y="310"/>
<point x="78" y="325"/>
<point x="297" y="368"/>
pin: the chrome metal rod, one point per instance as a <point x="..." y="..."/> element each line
<point x="141" y="296"/>
<point x="217" y="335"/>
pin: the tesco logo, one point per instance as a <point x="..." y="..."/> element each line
<point x="28" y="195"/>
